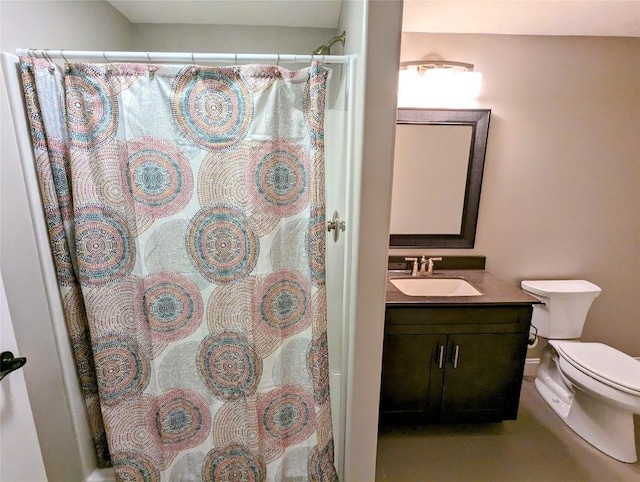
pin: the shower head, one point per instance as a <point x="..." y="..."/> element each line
<point x="326" y="48"/>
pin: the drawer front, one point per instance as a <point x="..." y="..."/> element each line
<point x="518" y="317"/>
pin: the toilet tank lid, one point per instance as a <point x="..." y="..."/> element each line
<point x="560" y="286"/>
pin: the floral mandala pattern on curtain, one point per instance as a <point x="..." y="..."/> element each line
<point x="185" y="209"/>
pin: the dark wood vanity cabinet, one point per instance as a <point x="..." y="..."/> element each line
<point x="453" y="364"/>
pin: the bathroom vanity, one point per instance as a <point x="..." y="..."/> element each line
<point x="454" y="358"/>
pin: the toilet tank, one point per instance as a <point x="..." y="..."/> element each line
<point x="566" y="304"/>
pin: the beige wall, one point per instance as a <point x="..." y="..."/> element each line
<point x="561" y="190"/>
<point x="230" y="39"/>
<point x="60" y="24"/>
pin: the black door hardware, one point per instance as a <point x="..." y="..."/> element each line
<point x="9" y="363"/>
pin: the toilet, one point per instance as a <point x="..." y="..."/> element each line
<point x="593" y="388"/>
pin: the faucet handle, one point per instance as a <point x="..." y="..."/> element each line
<point x="414" y="268"/>
<point x="430" y="263"/>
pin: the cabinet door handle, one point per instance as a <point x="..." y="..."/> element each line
<point x="456" y="352"/>
<point x="440" y="356"/>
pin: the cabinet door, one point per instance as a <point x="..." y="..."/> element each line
<point x="411" y="378"/>
<point x="483" y="377"/>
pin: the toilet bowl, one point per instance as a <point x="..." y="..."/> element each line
<point x="593" y="388"/>
<point x="599" y="410"/>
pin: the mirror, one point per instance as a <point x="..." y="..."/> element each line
<point x="437" y="177"/>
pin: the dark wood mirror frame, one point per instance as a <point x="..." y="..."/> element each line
<point x="478" y="119"/>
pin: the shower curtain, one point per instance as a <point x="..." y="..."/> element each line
<point x="185" y="210"/>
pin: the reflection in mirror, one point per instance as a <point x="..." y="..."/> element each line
<point x="438" y="164"/>
<point x="447" y="151"/>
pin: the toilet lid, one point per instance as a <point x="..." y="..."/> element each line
<point x="604" y="363"/>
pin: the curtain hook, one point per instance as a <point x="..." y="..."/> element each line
<point x="46" y="55"/>
<point x="150" y="71"/>
<point x="278" y="61"/>
<point x="194" y="69"/>
<point x="235" y="58"/>
<point x="104" y="55"/>
<point x="63" y="57"/>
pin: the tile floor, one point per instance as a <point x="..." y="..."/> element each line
<point x="538" y="447"/>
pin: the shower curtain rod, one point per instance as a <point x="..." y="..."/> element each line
<point x="183" y="57"/>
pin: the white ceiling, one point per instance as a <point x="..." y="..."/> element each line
<point x="618" y="18"/>
<point x="524" y="17"/>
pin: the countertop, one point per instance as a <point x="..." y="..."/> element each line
<point x="495" y="291"/>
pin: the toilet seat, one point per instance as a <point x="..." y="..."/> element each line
<point x="603" y="363"/>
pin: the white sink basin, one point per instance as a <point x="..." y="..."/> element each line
<point x="435" y="287"/>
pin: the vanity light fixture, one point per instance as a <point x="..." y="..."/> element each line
<point x="437" y="83"/>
